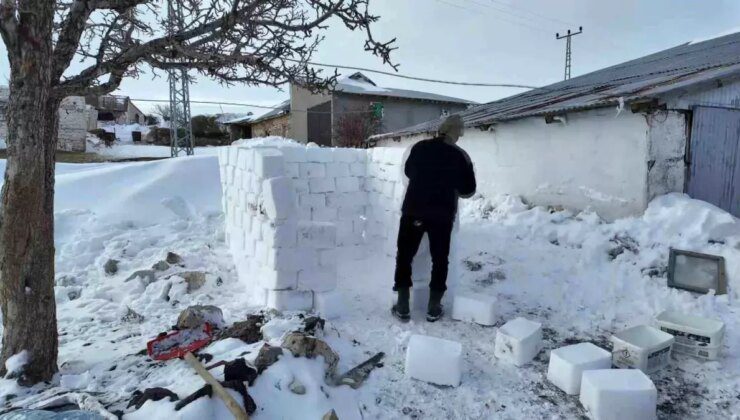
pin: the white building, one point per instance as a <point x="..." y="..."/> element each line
<point x="615" y="138"/>
<point x="75" y="120"/>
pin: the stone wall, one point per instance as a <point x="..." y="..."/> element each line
<point x="278" y="126"/>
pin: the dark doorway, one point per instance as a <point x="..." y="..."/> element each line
<point x="319" y="124"/>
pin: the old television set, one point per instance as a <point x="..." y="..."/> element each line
<point x="696" y="272"/>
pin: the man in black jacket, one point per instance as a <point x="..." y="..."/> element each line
<point x="439" y="172"/>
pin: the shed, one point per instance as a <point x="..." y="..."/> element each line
<point x="613" y="139"/>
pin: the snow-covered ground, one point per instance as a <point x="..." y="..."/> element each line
<point x="124" y="150"/>
<point x="562" y="269"/>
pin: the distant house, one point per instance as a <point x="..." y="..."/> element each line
<point x="275" y="122"/>
<point x="613" y="139"/>
<point x="116" y="109"/>
<point x="354" y="109"/>
<point x="75" y="120"/>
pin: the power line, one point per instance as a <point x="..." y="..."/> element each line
<point x="404" y="76"/>
<point x="254" y="106"/>
<point x="448" y="3"/>
<point x="556" y="20"/>
<point x="510" y="13"/>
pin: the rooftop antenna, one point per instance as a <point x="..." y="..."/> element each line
<point x="567" y="37"/>
<point x="181" y="131"/>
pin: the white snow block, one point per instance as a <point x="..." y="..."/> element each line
<point x="618" y="394"/>
<point x="245" y="159"/>
<point x="518" y="341"/>
<point x="312" y="170"/>
<point x="434" y="360"/>
<point x="290" y="300"/>
<point x="357" y="169"/>
<point x="280" y="279"/>
<point x="268" y="163"/>
<point x="282" y="234"/>
<point x="337" y="169"/>
<point x="321" y="185"/>
<point x="568" y="363"/>
<point x="347" y="184"/>
<point x="329" y="305"/>
<point x="318" y="279"/>
<point x="479" y="309"/>
<point x="343" y="154"/>
<point x="317" y="235"/>
<point x="319" y="155"/>
<point x="279" y="198"/>
<point x="323" y="214"/>
<point x="294" y="154"/>
<point x="420" y="296"/>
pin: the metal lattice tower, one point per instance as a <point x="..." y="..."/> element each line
<point x="568" y="53"/>
<point x="181" y="131"/>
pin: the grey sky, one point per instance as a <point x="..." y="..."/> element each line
<point x="487" y="41"/>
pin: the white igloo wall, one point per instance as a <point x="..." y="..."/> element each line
<point x="294" y="212"/>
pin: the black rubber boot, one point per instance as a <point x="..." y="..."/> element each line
<point x="401" y="309"/>
<point x="435" y="309"/>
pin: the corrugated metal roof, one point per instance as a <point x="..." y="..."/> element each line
<point x="643" y="78"/>
<point x="359" y="84"/>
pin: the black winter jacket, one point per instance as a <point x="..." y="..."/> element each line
<point x="438" y="173"/>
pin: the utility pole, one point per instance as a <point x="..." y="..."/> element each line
<point x="567" y="37"/>
<point x="181" y="131"/>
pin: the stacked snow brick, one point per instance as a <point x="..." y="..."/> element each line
<point x="293" y="211"/>
<point x="282" y="258"/>
<point x="329" y="185"/>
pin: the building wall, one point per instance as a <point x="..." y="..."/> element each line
<point x="300" y="100"/>
<point x="598" y="159"/>
<point x="75" y="120"/>
<point x="668" y="132"/>
<point x="132" y="113"/>
<point x="726" y="94"/>
<point x="398" y="113"/>
<point x="278" y="126"/>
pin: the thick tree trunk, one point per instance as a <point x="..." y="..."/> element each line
<point x="27" y="212"/>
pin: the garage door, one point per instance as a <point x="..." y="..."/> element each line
<point x="715" y="157"/>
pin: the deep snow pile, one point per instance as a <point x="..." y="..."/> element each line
<point x="122" y="151"/>
<point x="581" y="278"/>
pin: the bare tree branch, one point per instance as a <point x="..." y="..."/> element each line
<point x="259" y="42"/>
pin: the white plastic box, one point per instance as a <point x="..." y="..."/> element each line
<point x="694" y="335"/>
<point x="642" y="347"/>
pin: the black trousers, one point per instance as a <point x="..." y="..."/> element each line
<point x="410" y="232"/>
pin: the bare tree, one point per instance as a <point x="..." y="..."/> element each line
<point x="261" y="42"/>
<point x="354" y="126"/>
<point x="163" y="111"/>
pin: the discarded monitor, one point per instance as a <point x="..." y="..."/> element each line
<point x="696" y="272"/>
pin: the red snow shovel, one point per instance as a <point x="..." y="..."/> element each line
<point x="182" y="344"/>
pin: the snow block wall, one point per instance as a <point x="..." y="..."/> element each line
<point x="294" y="212"/>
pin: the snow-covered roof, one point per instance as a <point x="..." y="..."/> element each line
<point x="280" y="109"/>
<point x="645" y="78"/>
<point x="359" y="84"/>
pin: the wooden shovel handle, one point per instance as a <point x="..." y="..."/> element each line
<point x="230" y="402"/>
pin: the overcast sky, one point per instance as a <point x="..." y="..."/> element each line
<point x="494" y="41"/>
